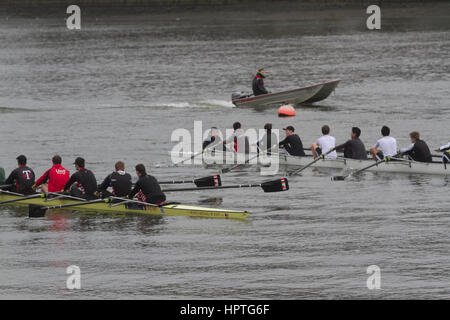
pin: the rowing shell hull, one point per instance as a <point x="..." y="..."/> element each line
<point x="412" y="167"/>
<point x="167" y="210"/>
<point x="308" y="94"/>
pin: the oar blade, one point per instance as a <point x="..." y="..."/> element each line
<point x="211" y="181"/>
<point x="338" y="178"/>
<point x="36" y="211"/>
<point x="276" y="185"/>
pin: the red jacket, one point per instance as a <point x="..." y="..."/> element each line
<point x="56" y="177"/>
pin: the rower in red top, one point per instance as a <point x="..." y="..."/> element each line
<point x="82" y="184"/>
<point x="55" y="178"/>
<point x="21" y="178"/>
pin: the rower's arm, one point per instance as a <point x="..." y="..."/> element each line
<point x="12" y="176"/>
<point x="105" y="184"/>
<point x="282" y="143"/>
<point x="72" y="180"/>
<point x="340" y="147"/>
<point x="43" y="179"/>
<point x="408" y="149"/>
<point x="446" y="147"/>
<point x="135" y="190"/>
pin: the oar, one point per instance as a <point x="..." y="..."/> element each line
<point x="210" y="181"/>
<point x="12" y="193"/>
<point x="6" y="186"/>
<point x="199" y="153"/>
<point x="62" y="195"/>
<point x="386" y="159"/>
<point x="269" y="186"/>
<point x="322" y="156"/>
<point x="225" y="170"/>
<point x="38" y="195"/>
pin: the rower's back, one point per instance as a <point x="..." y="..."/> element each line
<point x="23" y="178"/>
<point x="150" y="187"/>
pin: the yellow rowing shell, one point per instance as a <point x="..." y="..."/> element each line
<point x="166" y="210"/>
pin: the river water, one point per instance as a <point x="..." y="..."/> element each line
<point x="119" y="87"/>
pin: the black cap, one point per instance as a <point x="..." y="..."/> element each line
<point x="22" y="159"/>
<point x="289" y="128"/>
<point x="79" y="162"/>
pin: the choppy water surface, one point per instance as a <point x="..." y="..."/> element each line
<point x="119" y="87"/>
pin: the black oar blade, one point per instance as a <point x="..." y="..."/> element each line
<point x="338" y="178"/>
<point x="275" y="185"/>
<point x="225" y="170"/>
<point x="36" y="211"/>
<point x="212" y="181"/>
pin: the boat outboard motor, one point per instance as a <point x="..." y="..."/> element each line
<point x="240" y="95"/>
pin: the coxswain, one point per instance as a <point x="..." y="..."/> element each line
<point x="258" y="83"/>
<point x="353" y="148"/>
<point x="82" y="184"/>
<point x="21" y="178"/>
<point x="119" y="181"/>
<point x="147" y="188"/>
<point x="324" y="144"/>
<point x="418" y="150"/>
<point x="292" y="144"/>
<point x="55" y="178"/>
<point x="446" y="154"/>
<point x="387" y="144"/>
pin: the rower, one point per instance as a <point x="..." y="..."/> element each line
<point x="268" y="140"/>
<point x="213" y="139"/>
<point x="22" y="178"/>
<point x="446" y="154"/>
<point x="238" y="141"/>
<point x="418" y="150"/>
<point x="292" y="144"/>
<point x="324" y="144"/>
<point x="55" y="178"/>
<point x="258" y="83"/>
<point x="119" y="181"/>
<point x="147" y="188"/>
<point x="387" y="144"/>
<point x="82" y="183"/>
<point x="353" y="148"/>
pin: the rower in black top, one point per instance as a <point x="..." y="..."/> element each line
<point x="418" y="150"/>
<point x="292" y="143"/>
<point x="119" y="181"/>
<point x="22" y="178"/>
<point x="353" y="148"/>
<point x="82" y="183"/>
<point x="147" y="188"/>
<point x="268" y="140"/>
<point x="213" y="139"/>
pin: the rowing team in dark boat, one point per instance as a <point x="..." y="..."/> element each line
<point x="82" y="183"/>
<point x="325" y="146"/>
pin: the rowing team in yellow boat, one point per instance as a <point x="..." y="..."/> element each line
<point x="82" y="183"/>
<point x="385" y="147"/>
